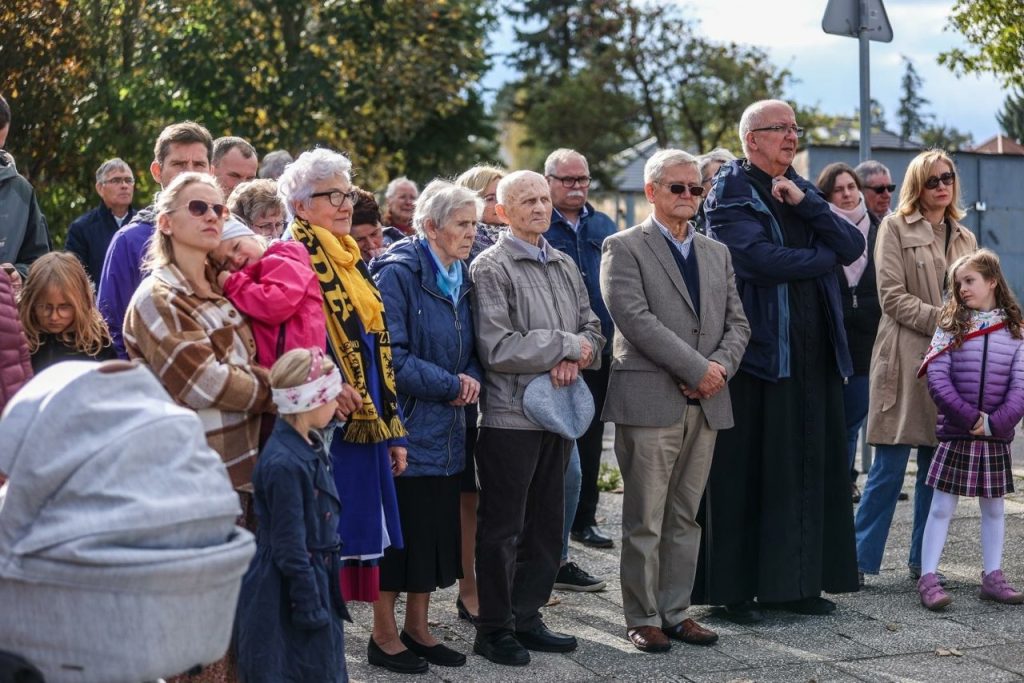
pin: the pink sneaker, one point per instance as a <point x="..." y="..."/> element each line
<point x="932" y="595"/>
<point x="994" y="586"/>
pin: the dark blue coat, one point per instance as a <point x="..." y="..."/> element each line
<point x="584" y="248"/>
<point x="764" y="265"/>
<point x="290" y="608"/>
<point x="431" y="344"/>
<point x="90" y="235"/>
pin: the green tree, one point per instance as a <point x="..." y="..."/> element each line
<point x="995" y="31"/>
<point x="1011" y="118"/>
<point x="911" y="116"/>
<point x="945" y="137"/>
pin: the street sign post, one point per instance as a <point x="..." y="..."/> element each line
<point x="865" y="20"/>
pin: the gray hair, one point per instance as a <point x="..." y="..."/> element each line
<point x="222" y="146"/>
<point x="274" y="164"/>
<point x="753" y="117"/>
<point x="654" y="169"/>
<point x="513" y="179"/>
<point x="560" y="156"/>
<point x="315" y="166"/>
<point x="109" y="165"/>
<point x="439" y="200"/>
<point x="393" y="187"/>
<point x="717" y="155"/>
<point x="254" y="198"/>
<point x="866" y="169"/>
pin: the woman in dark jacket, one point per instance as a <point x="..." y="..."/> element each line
<point x="425" y="289"/>
<point x="857" y="285"/>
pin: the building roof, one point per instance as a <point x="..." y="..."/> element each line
<point x="630" y="163"/>
<point x="999" y="144"/>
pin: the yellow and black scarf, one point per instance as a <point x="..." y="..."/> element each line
<point x="347" y="289"/>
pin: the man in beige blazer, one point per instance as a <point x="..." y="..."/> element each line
<point x="680" y="333"/>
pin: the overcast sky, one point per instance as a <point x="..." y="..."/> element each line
<point x="827" y="65"/>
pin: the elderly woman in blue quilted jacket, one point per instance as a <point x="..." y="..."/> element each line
<point x="425" y="286"/>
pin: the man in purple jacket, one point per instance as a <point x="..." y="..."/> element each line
<point x="181" y="147"/>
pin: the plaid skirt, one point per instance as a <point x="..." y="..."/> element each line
<point x="973" y="468"/>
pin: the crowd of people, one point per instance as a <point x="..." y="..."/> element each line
<point x="409" y="398"/>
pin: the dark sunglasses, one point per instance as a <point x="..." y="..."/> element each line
<point x="879" y="189"/>
<point x="198" y="208"/>
<point x="946" y="178"/>
<point x="679" y="188"/>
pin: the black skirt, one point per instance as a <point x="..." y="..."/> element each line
<point x="432" y="557"/>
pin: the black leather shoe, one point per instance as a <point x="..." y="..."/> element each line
<point x="405" y="662"/>
<point x="463" y="611"/>
<point x="746" y="612"/>
<point x="816" y="606"/>
<point x="435" y="654"/>
<point x="543" y="639"/>
<point x="501" y="647"/>
<point x="593" y="537"/>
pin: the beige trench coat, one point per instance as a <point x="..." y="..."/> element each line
<point x="911" y="268"/>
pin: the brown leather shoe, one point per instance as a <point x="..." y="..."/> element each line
<point x="689" y="631"/>
<point x="648" y="639"/>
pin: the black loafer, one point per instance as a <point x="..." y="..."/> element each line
<point x="543" y="639"/>
<point x="405" y="662"/>
<point x="434" y="654"/>
<point x="746" y="612"/>
<point x="593" y="537"/>
<point x="501" y="648"/>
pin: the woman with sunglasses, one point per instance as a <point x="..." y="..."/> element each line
<point x="195" y="341"/>
<point x="915" y="245"/>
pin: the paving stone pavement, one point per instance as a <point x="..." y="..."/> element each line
<point x="879" y="634"/>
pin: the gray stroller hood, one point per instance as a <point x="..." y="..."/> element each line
<point x="119" y="556"/>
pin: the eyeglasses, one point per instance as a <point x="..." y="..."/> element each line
<point x="879" y="189"/>
<point x="680" y="188"/>
<point x="47" y="310"/>
<point x="946" y="179"/>
<point x="121" y="180"/>
<point x="780" y="128"/>
<point x="271" y="228"/>
<point x="570" y="180"/>
<point x="337" y="197"/>
<point x="198" y="208"/>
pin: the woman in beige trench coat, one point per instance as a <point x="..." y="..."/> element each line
<point x="914" y="246"/>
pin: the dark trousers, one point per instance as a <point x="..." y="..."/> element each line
<point x="590" y="446"/>
<point x="519" y="524"/>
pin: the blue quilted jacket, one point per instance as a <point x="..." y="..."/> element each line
<point x="431" y="343"/>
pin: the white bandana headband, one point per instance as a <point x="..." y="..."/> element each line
<point x="318" y="389"/>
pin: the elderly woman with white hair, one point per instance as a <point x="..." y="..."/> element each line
<point x="425" y="286"/>
<point x="369" y="450"/>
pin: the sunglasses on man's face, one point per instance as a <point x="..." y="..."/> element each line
<point x="946" y="179"/>
<point x="879" y="189"/>
<point x="680" y="188"/>
<point x="198" y="208"/>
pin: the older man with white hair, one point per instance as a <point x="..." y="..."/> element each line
<point x="779" y="525"/>
<point x="533" y="322"/>
<point x="878" y="187"/>
<point x="90" y="234"/>
<point x="680" y="334"/>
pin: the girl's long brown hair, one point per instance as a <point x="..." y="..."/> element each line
<point x="88" y="333"/>
<point x="955" y="316"/>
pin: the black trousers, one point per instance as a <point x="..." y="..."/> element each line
<point x="519" y="524"/>
<point x="590" y="445"/>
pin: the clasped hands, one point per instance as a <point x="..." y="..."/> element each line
<point x="566" y="371"/>
<point x="979" y="427"/>
<point x="712" y="382"/>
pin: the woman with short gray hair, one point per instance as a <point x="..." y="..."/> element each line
<point x="259" y="206"/>
<point x="425" y="287"/>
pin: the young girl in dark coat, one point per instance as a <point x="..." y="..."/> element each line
<point x="975" y="368"/>
<point x="58" y="313"/>
<point x="290" y="610"/>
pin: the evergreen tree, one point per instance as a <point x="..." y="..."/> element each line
<point x="910" y="115"/>
<point x="1011" y="118"/>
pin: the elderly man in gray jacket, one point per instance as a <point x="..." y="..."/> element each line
<point x="533" y="318"/>
<point x="680" y="333"/>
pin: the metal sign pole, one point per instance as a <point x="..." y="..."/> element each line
<point x="865" y="84"/>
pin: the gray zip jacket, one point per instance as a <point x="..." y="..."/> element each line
<point x="529" y="316"/>
<point x="23" y="233"/>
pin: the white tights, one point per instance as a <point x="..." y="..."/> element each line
<point x="937" y="526"/>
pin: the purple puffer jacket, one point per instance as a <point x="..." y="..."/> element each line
<point x="955" y="380"/>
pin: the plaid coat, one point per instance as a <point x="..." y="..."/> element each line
<point x="202" y="351"/>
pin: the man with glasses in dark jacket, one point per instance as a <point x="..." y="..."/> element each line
<point x="90" y="234"/>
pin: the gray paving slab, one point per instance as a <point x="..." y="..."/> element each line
<point x="926" y="668"/>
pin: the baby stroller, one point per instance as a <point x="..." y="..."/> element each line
<point x="119" y="556"/>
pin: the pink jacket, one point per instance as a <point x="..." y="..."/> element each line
<point x="281" y="295"/>
<point x="15" y="365"/>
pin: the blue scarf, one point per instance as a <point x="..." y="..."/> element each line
<point x="449" y="280"/>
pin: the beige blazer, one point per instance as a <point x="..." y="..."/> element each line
<point x="660" y="341"/>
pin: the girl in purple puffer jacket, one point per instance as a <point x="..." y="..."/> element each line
<point x="975" y="368"/>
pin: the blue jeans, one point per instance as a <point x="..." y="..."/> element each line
<point x="855" y="408"/>
<point x="878" y="503"/>
<point x="573" y="478"/>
